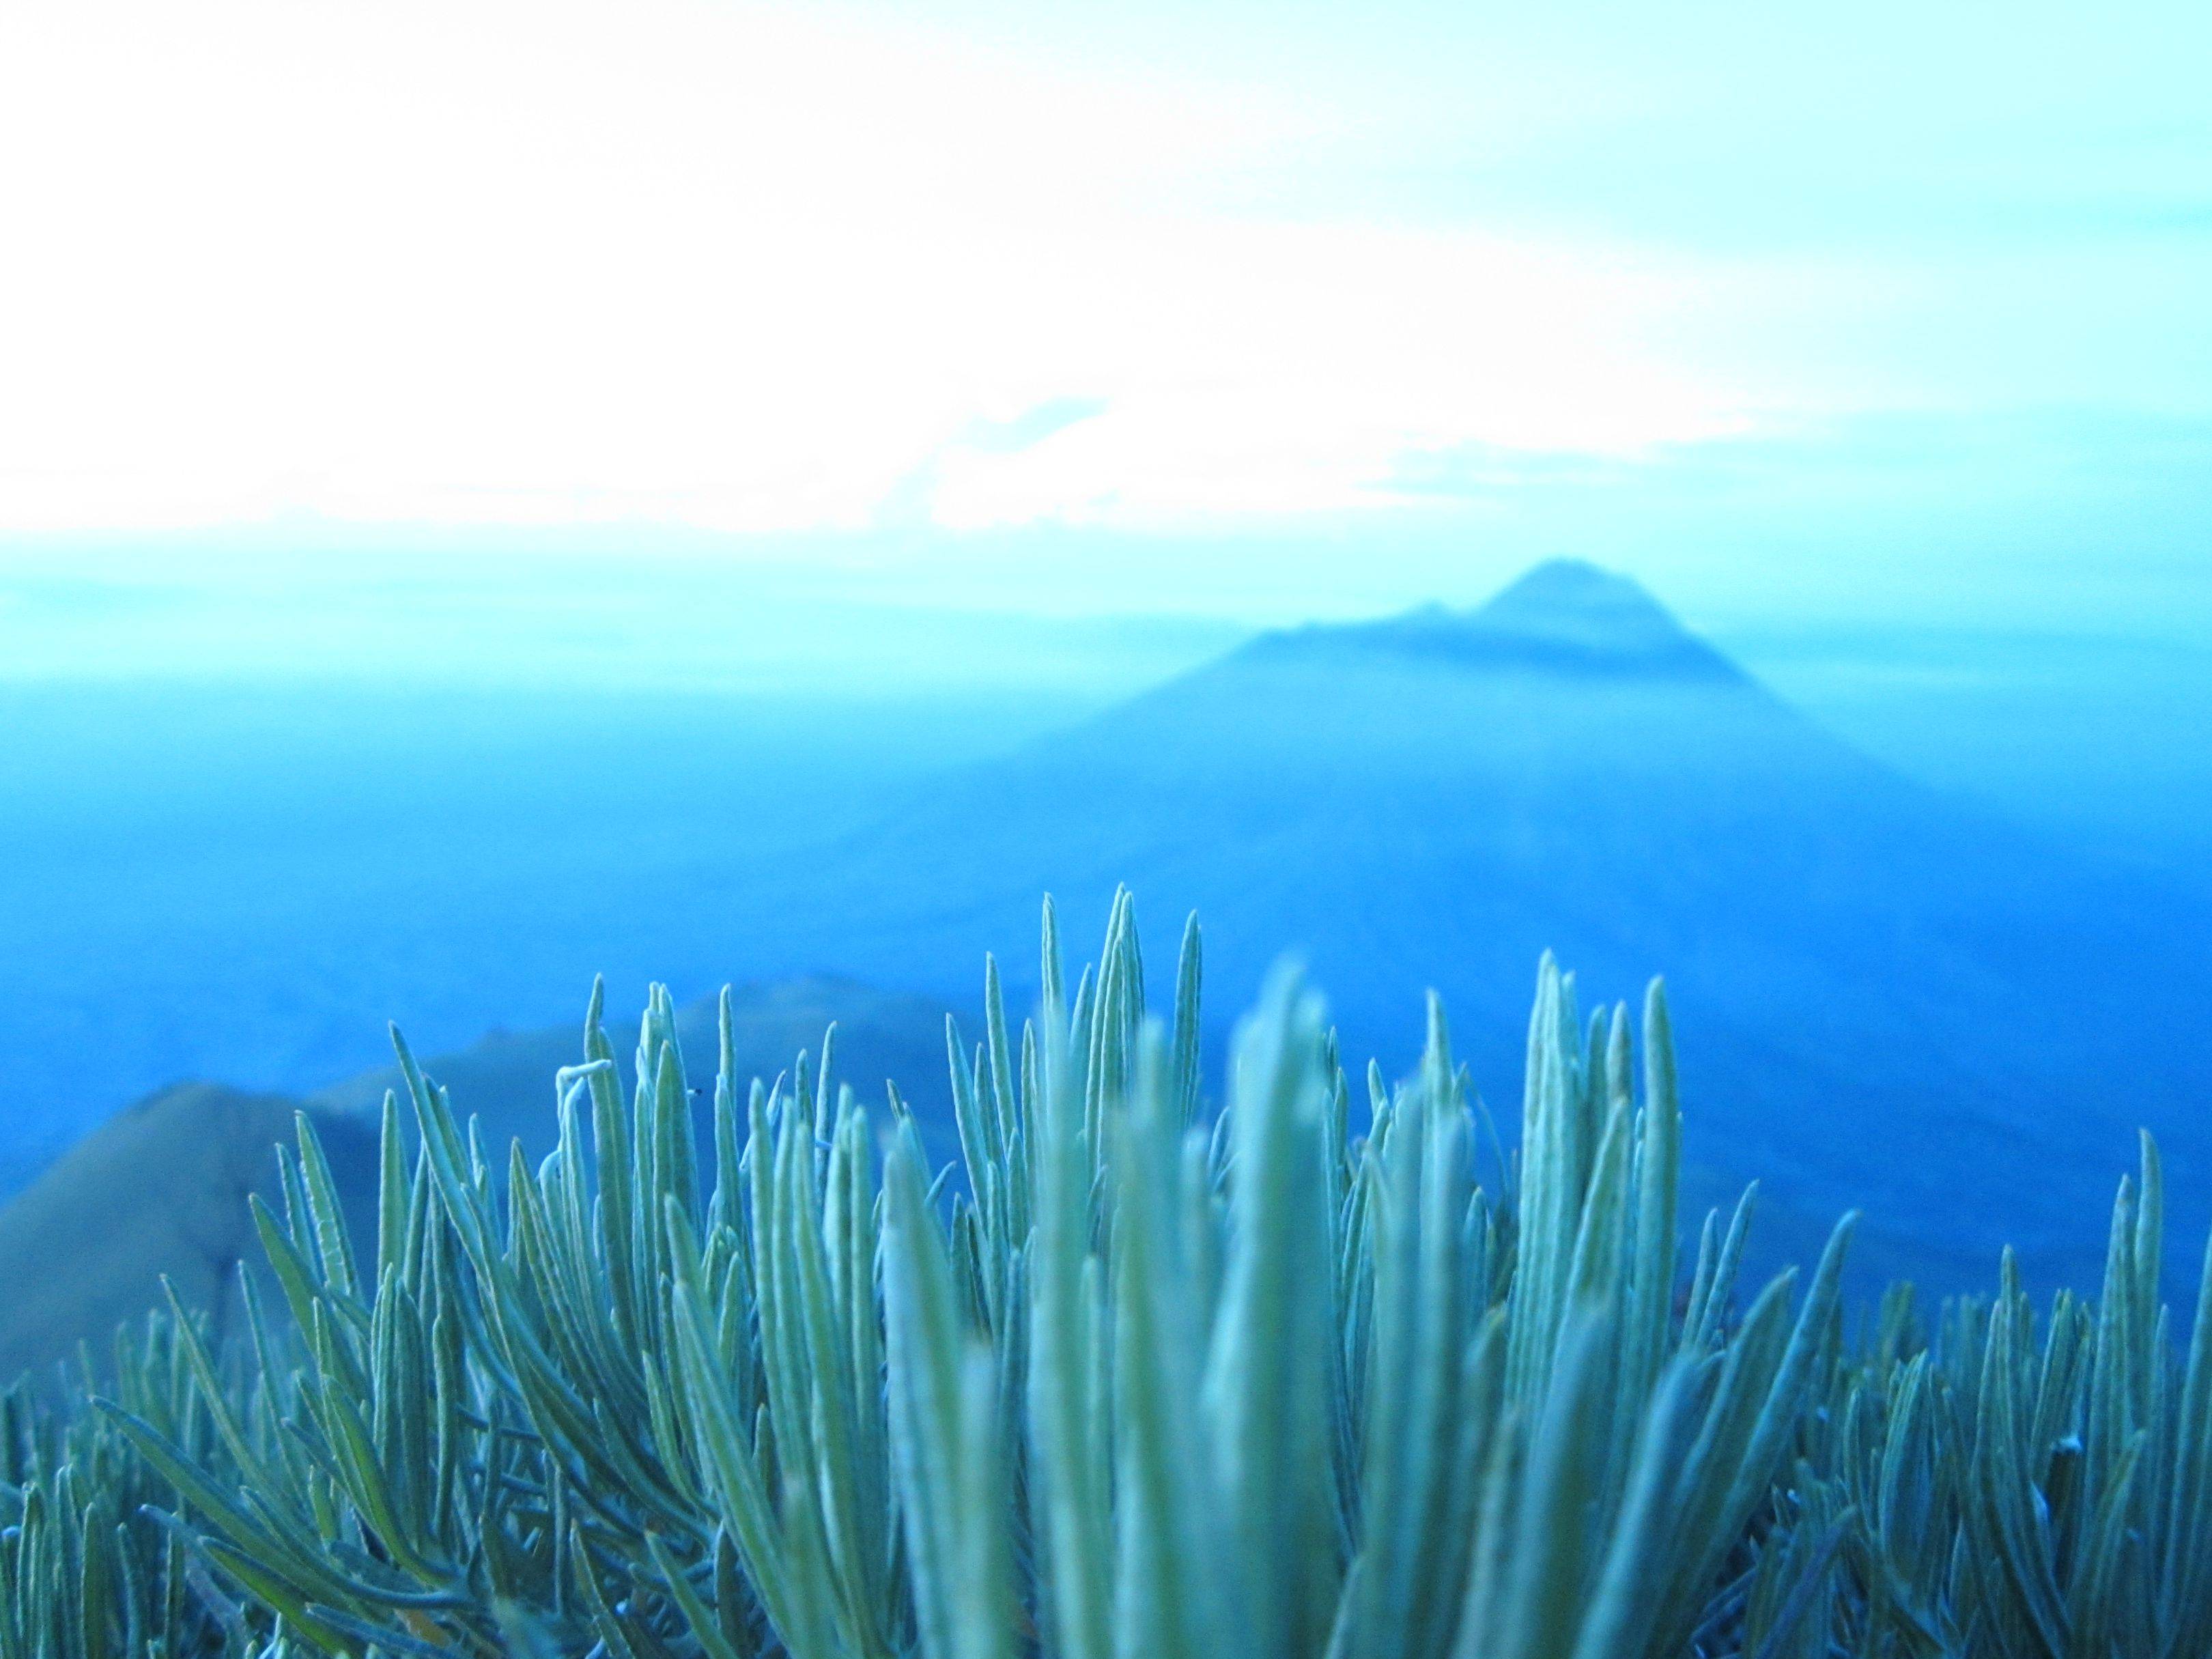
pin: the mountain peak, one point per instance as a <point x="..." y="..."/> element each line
<point x="1563" y="587"/>
<point x="1576" y="607"/>
<point x="1565" y="618"/>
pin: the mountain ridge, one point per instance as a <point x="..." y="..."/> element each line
<point x="1887" y="996"/>
<point x="1564" y="616"/>
<point x="162" y="1188"/>
<point x="1885" y="999"/>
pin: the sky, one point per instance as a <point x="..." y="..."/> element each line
<point x="1218" y="313"/>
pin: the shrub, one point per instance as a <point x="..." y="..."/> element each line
<point x="1141" y="1383"/>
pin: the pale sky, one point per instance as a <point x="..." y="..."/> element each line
<point x="1726" y="293"/>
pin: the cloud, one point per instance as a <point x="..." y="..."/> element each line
<point x="764" y="270"/>
<point x="735" y="268"/>
<point x="1030" y="427"/>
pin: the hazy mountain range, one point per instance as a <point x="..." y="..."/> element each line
<point x="162" y="1187"/>
<point x="1885" y="998"/>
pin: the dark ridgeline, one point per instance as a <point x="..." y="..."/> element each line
<point x="161" y="1188"/>
<point x="1886" y="997"/>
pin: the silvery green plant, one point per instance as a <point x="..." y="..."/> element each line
<point x="2026" y="1492"/>
<point x="90" y="1564"/>
<point x="1144" y="1375"/>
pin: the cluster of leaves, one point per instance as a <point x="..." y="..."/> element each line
<point x="1148" y="1382"/>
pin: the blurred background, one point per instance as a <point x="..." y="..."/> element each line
<point x="495" y="495"/>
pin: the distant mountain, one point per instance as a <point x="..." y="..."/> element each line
<point x="507" y="1079"/>
<point x="1884" y="998"/>
<point x="162" y="1187"/>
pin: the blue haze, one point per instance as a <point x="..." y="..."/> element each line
<point x="1888" y="993"/>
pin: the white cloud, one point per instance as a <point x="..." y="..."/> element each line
<point x="724" y="266"/>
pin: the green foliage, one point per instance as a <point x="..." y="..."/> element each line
<point x="1143" y="1383"/>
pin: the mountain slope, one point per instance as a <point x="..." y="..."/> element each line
<point x="505" y="1081"/>
<point x="1885" y="999"/>
<point x="161" y="1188"/>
